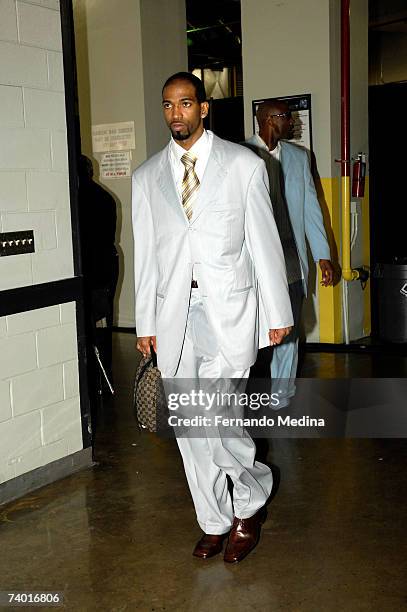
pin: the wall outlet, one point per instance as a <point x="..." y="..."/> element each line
<point x="17" y="243"/>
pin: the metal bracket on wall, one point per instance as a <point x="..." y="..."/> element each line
<point x="16" y="243"/>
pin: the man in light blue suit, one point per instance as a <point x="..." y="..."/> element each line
<point x="299" y="220"/>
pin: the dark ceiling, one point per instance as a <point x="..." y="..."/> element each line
<point x="380" y="9"/>
<point x="214" y="30"/>
<point x="214" y="33"/>
<point x="388" y="16"/>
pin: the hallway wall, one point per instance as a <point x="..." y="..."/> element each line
<point x="34" y="190"/>
<point x="123" y="58"/>
<point x="290" y="48"/>
<point x="40" y="418"/>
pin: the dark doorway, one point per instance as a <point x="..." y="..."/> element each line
<point x="215" y="56"/>
<point x="388" y="171"/>
<point x="226" y="118"/>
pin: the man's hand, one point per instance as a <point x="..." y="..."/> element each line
<point x="327" y="272"/>
<point x="277" y="335"/>
<point x="144" y="343"/>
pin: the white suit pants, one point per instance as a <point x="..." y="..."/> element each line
<point x="211" y="457"/>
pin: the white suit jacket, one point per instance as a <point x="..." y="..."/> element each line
<point x="231" y="243"/>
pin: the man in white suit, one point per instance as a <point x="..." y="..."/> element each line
<point x="299" y="220"/>
<point x="210" y="288"/>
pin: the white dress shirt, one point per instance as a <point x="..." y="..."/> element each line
<point x="262" y="145"/>
<point x="201" y="149"/>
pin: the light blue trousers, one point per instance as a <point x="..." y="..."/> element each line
<point x="284" y="361"/>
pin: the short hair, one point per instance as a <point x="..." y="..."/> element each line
<point x="191" y="78"/>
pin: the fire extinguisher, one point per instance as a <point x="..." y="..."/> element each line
<point x="358" y="176"/>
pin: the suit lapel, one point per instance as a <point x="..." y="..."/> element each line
<point x="285" y="160"/>
<point x="215" y="173"/>
<point x="285" y="156"/>
<point x="166" y="184"/>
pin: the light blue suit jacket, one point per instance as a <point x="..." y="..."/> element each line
<point x="302" y="202"/>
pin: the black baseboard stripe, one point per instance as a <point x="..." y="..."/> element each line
<point x="32" y="297"/>
<point x="45" y="475"/>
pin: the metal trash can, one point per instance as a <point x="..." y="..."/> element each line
<point x="391" y="281"/>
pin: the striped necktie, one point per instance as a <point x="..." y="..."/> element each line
<point x="190" y="183"/>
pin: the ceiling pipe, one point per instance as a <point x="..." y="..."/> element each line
<point x="348" y="274"/>
<point x="221" y="24"/>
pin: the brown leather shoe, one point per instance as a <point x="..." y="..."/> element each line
<point x="243" y="537"/>
<point x="209" y="546"/>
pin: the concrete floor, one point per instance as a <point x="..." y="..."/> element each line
<point x="120" y="536"/>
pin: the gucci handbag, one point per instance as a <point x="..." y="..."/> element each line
<point x="150" y="405"/>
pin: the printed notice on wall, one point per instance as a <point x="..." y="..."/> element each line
<point x="115" y="165"/>
<point x="113" y="137"/>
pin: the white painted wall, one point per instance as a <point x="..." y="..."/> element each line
<point x="34" y="191"/>
<point x="164" y="52"/>
<point x="286" y="51"/>
<point x="110" y="89"/>
<point x="40" y="417"/>
<point x="293" y="47"/>
<point x="39" y="395"/>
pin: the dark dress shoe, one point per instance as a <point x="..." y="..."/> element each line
<point x="209" y="546"/>
<point x="243" y="537"/>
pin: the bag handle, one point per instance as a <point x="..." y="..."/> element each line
<point x="153" y="355"/>
<point x="153" y="360"/>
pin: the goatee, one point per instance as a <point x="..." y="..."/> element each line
<point x="177" y="135"/>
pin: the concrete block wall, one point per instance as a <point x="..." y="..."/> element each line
<point x="34" y="192"/>
<point x="40" y="418"/>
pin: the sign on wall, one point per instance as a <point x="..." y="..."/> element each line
<point x="113" y="137"/>
<point x="115" y="165"/>
<point x="300" y="106"/>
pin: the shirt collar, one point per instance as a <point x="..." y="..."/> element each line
<point x="197" y="148"/>
<point x="260" y="142"/>
<point x="262" y="145"/>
